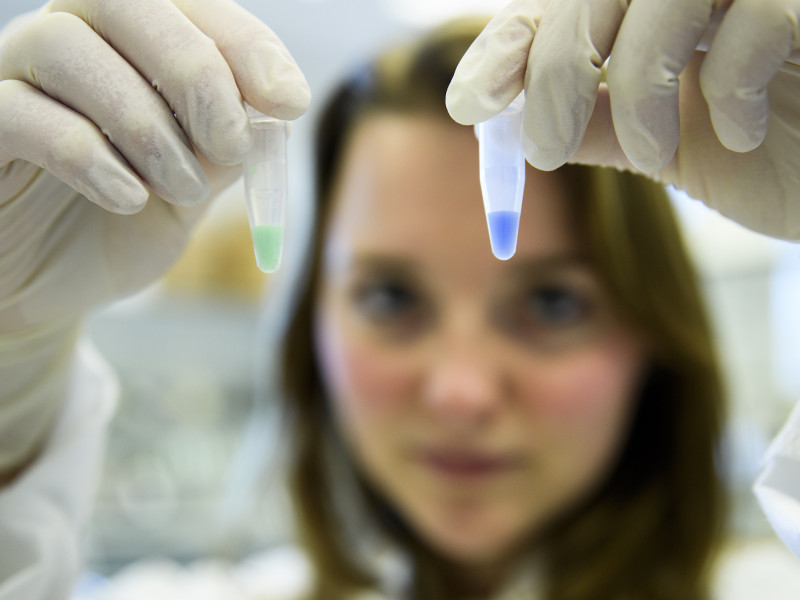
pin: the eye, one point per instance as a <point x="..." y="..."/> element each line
<point x="547" y="314"/>
<point x="555" y="306"/>
<point x="387" y="302"/>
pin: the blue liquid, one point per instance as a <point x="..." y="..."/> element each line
<point x="503" y="229"/>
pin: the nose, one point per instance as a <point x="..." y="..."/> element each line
<point x="464" y="389"/>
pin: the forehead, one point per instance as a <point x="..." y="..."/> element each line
<point x="409" y="186"/>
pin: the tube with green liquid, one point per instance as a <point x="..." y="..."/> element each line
<point x="265" y="188"/>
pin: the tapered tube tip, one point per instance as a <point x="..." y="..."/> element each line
<point x="268" y="246"/>
<point x="503" y="230"/>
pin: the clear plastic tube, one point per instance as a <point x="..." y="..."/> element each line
<point x="502" y="176"/>
<point x="265" y="185"/>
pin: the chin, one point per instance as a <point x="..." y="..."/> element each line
<point x="472" y="551"/>
<point x="476" y="538"/>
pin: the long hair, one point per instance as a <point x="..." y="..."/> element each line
<point x="650" y="530"/>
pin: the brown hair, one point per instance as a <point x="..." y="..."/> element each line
<point x="650" y="531"/>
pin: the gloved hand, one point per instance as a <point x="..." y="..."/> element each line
<point x="116" y="122"/>
<point x="723" y="125"/>
<point x="778" y="486"/>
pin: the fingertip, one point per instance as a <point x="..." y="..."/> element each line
<point x="269" y="78"/>
<point x="289" y="102"/>
<point x="119" y="192"/>
<point x="491" y="72"/>
<point x="646" y="154"/>
<point x="464" y="108"/>
<point x="541" y="158"/>
<point x="300" y="100"/>
<point x="747" y="53"/>
<point x="469" y="103"/>
<point x="282" y="95"/>
<point x="195" y="191"/>
<point x="119" y="208"/>
<point x="649" y="163"/>
<point x="282" y="103"/>
<point x="648" y="132"/>
<point x="733" y="134"/>
<point x="739" y="117"/>
<point x="265" y="72"/>
<point x="453" y="105"/>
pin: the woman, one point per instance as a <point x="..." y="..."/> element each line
<point x="544" y="426"/>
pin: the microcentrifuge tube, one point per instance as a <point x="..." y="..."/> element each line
<point x="265" y="188"/>
<point x="502" y="175"/>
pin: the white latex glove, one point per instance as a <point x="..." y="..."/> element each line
<point x="135" y="106"/>
<point x="778" y="486"/>
<point x="723" y="125"/>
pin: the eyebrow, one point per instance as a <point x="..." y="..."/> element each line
<point x="379" y="262"/>
<point x="403" y="266"/>
<point x="551" y="262"/>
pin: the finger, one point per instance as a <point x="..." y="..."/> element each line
<point x="655" y="42"/>
<point x="600" y="145"/>
<point x="753" y="41"/>
<point x="266" y="74"/>
<point x="42" y="131"/>
<point x="61" y="55"/>
<point x="563" y="73"/>
<point x="491" y="73"/>
<point x="754" y="188"/>
<point x="182" y="63"/>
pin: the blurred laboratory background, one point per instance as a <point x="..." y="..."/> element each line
<point x="193" y="464"/>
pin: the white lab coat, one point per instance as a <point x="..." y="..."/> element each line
<point x="763" y="571"/>
<point x="43" y="511"/>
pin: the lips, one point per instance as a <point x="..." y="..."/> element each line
<point x="468" y="464"/>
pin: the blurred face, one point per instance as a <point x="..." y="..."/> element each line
<point x="481" y="397"/>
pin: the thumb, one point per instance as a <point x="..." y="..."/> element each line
<point x="492" y="71"/>
<point x="266" y="74"/>
<point x="750" y="47"/>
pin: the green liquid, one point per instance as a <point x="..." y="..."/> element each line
<point x="268" y="245"/>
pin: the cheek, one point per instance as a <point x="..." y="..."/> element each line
<point x="363" y="380"/>
<point x="579" y="409"/>
<point x="588" y="388"/>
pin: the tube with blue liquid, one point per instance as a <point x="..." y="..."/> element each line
<point x="502" y="176"/>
